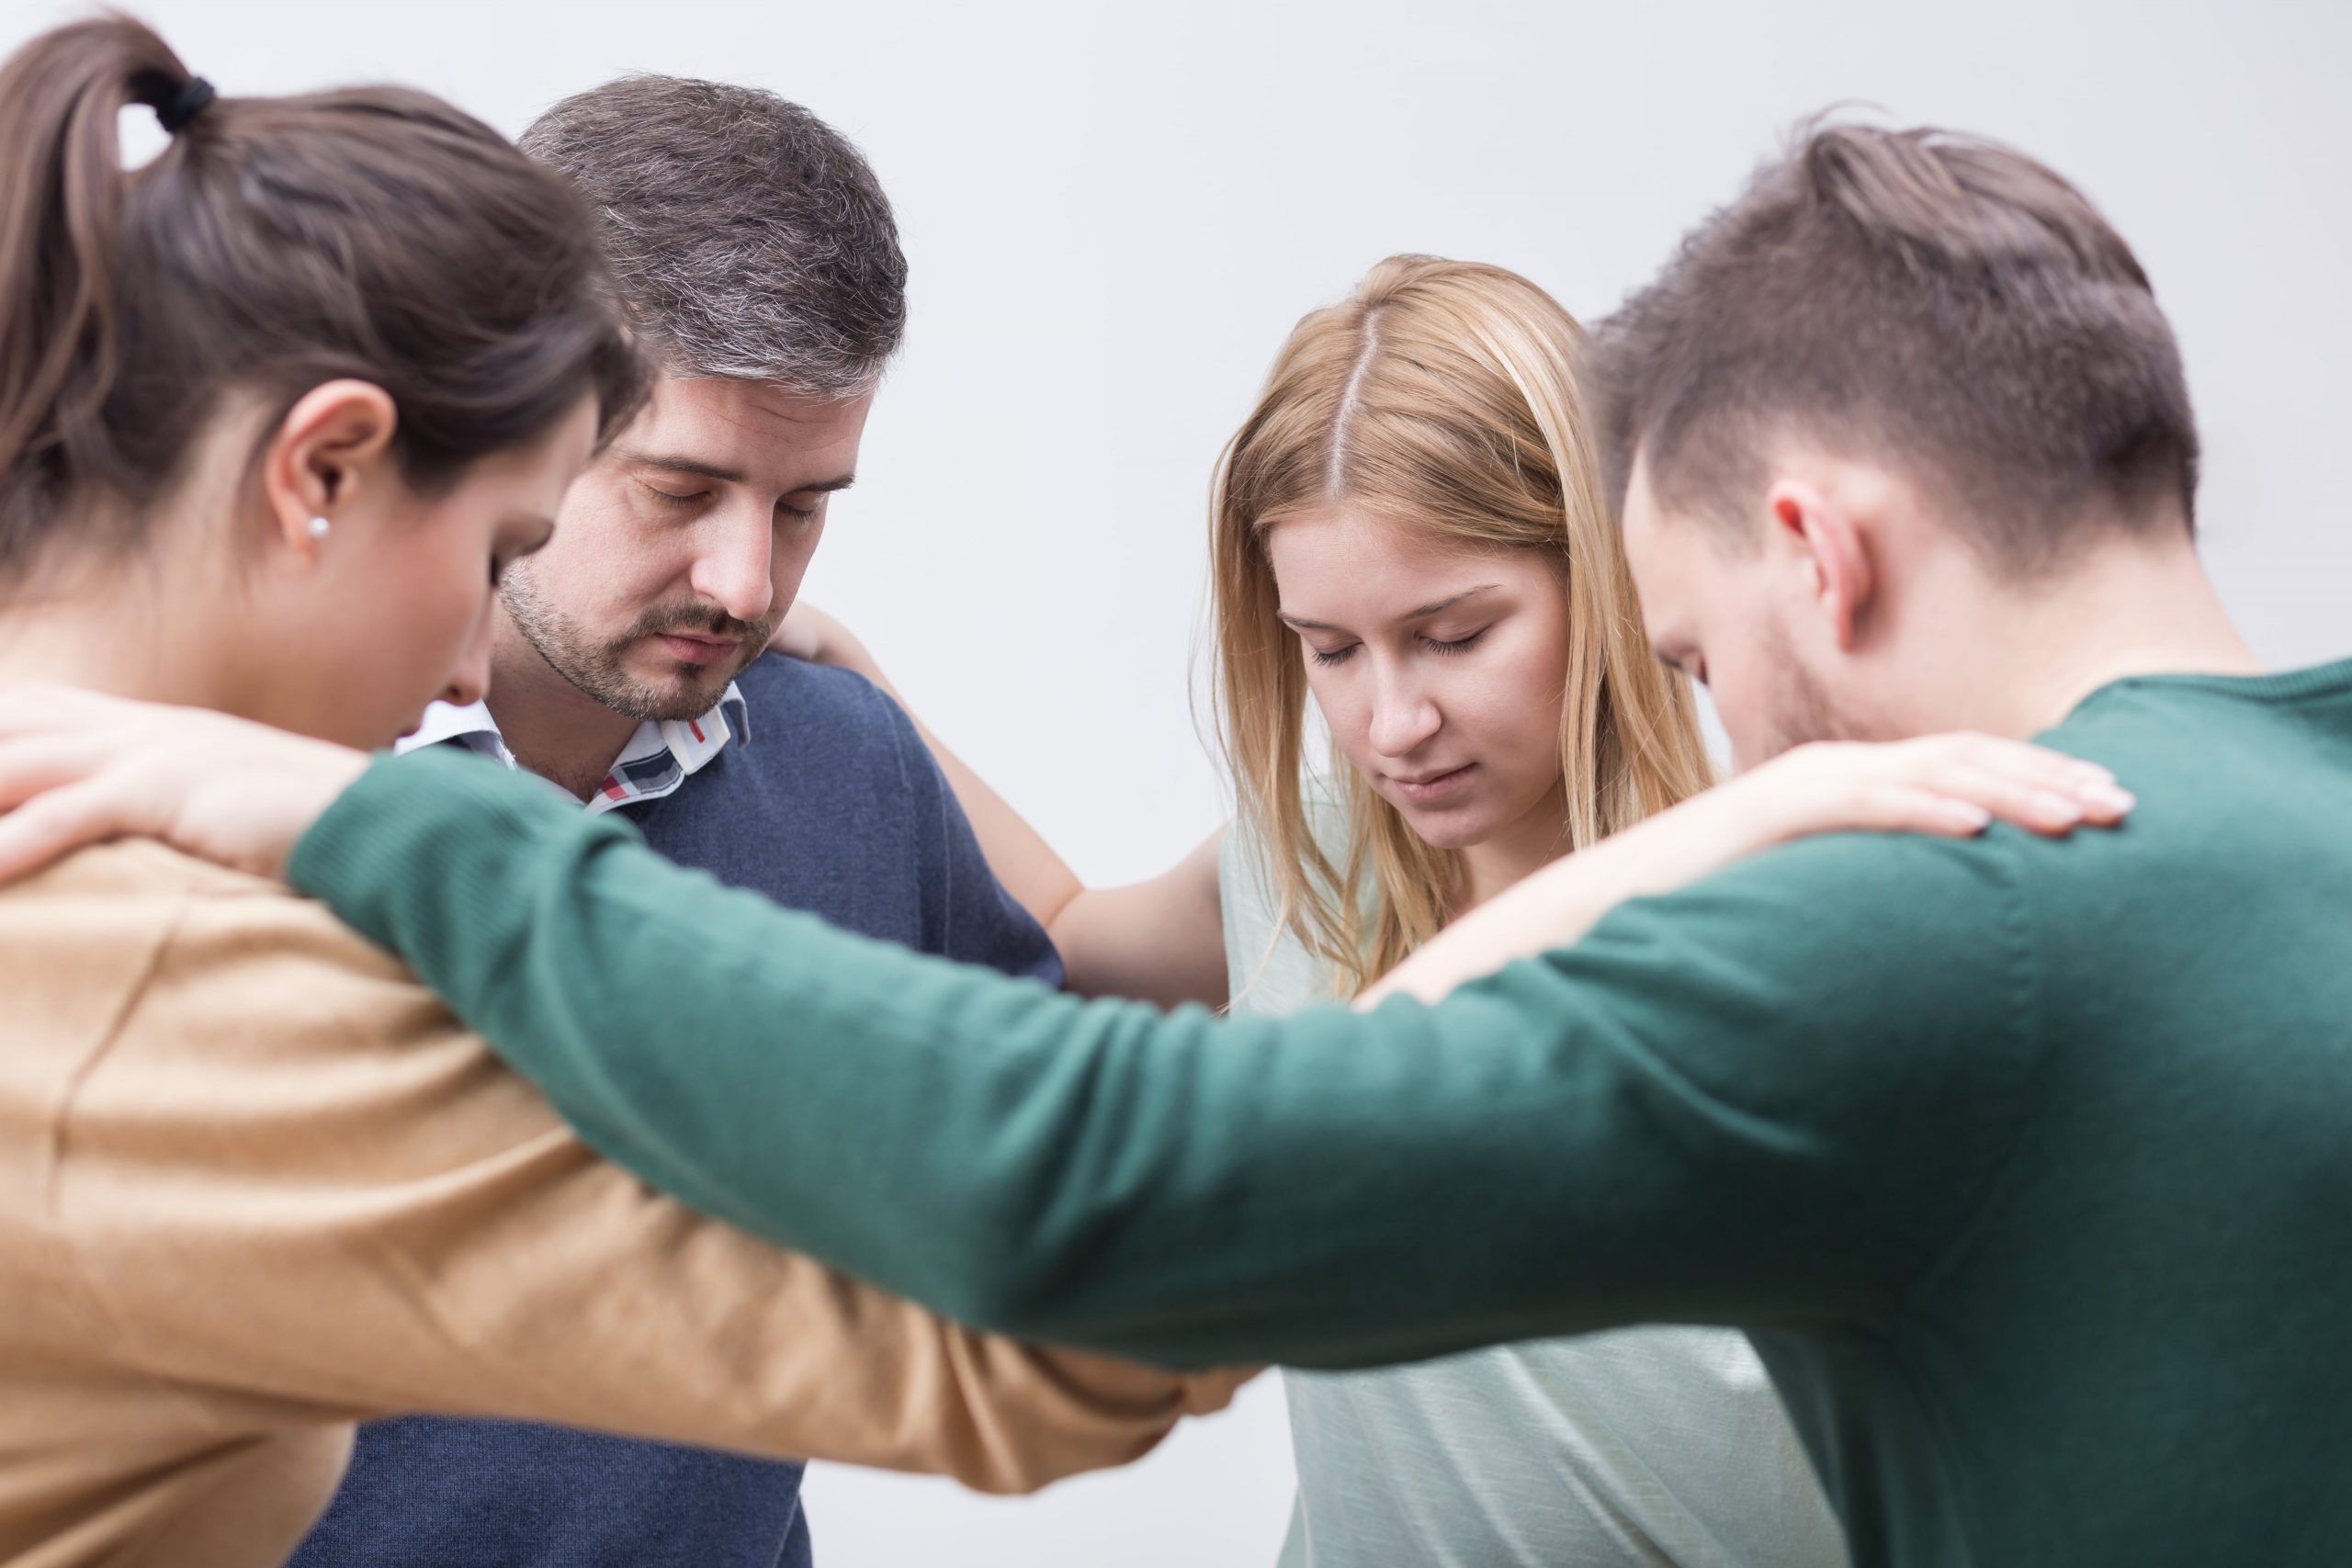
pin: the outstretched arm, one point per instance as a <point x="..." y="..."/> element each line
<point x="1709" y="1109"/>
<point x="1677" y="1119"/>
<point x="398" y="1226"/>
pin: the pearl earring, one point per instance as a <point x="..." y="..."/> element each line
<point x="319" y="527"/>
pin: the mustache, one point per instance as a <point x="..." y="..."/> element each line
<point x="702" y="620"/>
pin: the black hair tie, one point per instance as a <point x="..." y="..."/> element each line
<point x="185" y="105"/>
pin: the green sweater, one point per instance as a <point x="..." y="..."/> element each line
<point x="2027" y="1165"/>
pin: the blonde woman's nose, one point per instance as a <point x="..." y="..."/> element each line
<point x="1402" y="720"/>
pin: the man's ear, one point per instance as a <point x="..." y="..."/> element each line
<point x="333" y="448"/>
<point x="1831" y="545"/>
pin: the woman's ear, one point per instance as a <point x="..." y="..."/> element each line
<point x="333" y="447"/>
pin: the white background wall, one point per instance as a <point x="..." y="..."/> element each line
<point x="1115" y="213"/>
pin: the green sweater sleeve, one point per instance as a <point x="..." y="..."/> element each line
<point x="1770" y="1099"/>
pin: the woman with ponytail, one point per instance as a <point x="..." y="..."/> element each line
<point x="1409" y="530"/>
<point x="275" y="410"/>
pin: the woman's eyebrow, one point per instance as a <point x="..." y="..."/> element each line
<point x="1450" y="600"/>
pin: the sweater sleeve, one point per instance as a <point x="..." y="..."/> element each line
<point x="301" y="1190"/>
<point x="1770" y="1099"/>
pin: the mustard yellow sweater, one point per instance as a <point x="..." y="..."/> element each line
<point x="256" y="1184"/>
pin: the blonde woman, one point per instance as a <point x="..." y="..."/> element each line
<point x="1409" y="529"/>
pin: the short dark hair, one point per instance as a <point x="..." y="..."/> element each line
<point x="1936" y="298"/>
<point x="274" y="244"/>
<point x="749" y="237"/>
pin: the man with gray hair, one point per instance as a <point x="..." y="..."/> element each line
<point x="759" y="259"/>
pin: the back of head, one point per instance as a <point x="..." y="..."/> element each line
<point x="1440" y="395"/>
<point x="750" y="239"/>
<point x="1935" y="302"/>
<point x="275" y="244"/>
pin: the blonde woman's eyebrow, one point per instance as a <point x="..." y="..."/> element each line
<point x="1449" y="601"/>
<point x="1300" y="623"/>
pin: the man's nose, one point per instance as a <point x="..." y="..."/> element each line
<point x="737" y="571"/>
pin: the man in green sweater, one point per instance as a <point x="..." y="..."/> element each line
<point x="2027" y="1165"/>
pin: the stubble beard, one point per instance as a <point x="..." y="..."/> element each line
<point x="597" y="667"/>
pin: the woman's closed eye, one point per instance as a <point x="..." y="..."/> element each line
<point x="1446" y="648"/>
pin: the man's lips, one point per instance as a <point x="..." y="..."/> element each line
<point x="1426" y="789"/>
<point x="691" y="648"/>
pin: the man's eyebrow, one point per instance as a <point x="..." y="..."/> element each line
<point x="1432" y="608"/>
<point x="714" y="471"/>
<point x="678" y="465"/>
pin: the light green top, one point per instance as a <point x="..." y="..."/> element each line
<point x="1630" y="1449"/>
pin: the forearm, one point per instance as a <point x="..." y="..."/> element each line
<point x="1326" y="1190"/>
<point x="1556" y="908"/>
<point x="1160" y="941"/>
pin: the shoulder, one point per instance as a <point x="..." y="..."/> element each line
<point x="244" y="952"/>
<point x="1850" y="927"/>
<point x="828" y="725"/>
<point x="138" y="867"/>
<point x="198" y="897"/>
<point x="1834" y="886"/>
<point x="246" y="938"/>
<point x="804" y="698"/>
<point x="251" y="1006"/>
<point x="1871" y="967"/>
<point x="1270" y="970"/>
<point x="827" y="713"/>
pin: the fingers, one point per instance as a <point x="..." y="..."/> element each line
<point x="1893" y="807"/>
<point x="1946" y="784"/>
<point x="2032" y="787"/>
<point x="33" y="763"/>
<point x="56" y="824"/>
<point x="2022" y="801"/>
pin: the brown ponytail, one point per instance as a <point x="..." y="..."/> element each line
<point x="276" y="244"/>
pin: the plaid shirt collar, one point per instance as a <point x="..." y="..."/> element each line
<point x="654" y="763"/>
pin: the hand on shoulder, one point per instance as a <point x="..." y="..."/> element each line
<point x="1947" y="785"/>
<point x="78" y="767"/>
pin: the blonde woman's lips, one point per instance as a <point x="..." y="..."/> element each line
<point x="1430" y="789"/>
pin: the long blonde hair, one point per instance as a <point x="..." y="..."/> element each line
<point x="1440" y="395"/>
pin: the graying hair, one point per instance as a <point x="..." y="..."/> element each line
<point x="748" y="237"/>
